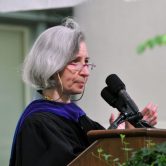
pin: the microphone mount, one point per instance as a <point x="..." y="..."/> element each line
<point x="134" y="119"/>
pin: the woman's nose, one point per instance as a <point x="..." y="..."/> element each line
<point x="85" y="71"/>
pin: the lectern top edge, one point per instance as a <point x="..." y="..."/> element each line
<point x="152" y="132"/>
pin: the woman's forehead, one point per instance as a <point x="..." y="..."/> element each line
<point x="83" y="52"/>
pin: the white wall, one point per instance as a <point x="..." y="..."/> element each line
<point x="113" y="29"/>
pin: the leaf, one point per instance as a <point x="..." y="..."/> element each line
<point x="163" y="39"/>
<point x="150" y="143"/>
<point x="158" y="40"/>
<point x="126" y="143"/>
<point x="122" y="136"/>
<point x="151" y="43"/>
<point x="106" y="156"/>
<point x="141" y="48"/>
<point x="100" y="150"/>
<point x="161" y="148"/>
<point x="127" y="149"/>
<point x="116" y="159"/>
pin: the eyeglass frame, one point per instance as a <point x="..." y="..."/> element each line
<point x="79" y="66"/>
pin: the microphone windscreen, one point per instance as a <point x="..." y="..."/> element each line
<point x="108" y="97"/>
<point x="114" y="83"/>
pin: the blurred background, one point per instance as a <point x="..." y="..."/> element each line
<point x="113" y="29"/>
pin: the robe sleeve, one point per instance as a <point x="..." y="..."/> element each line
<point x="42" y="145"/>
<point x="87" y="124"/>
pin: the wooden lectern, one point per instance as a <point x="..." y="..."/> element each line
<point x="109" y="142"/>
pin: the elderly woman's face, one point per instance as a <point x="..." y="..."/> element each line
<point x="75" y="74"/>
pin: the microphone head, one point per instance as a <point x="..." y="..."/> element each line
<point x="108" y="97"/>
<point x="114" y="83"/>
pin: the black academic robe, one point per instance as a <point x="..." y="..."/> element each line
<point x="46" y="139"/>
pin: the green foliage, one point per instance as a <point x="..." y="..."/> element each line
<point x="125" y="146"/>
<point x="152" y="156"/>
<point x="151" y="43"/>
<point x="107" y="158"/>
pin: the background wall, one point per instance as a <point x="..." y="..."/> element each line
<point x="113" y="29"/>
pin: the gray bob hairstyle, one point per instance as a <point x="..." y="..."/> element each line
<point x="51" y="52"/>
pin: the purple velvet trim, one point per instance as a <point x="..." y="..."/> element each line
<point x="69" y="111"/>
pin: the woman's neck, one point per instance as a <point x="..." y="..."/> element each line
<point x="54" y="95"/>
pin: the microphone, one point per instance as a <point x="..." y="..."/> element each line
<point x="115" y="101"/>
<point x="118" y="88"/>
<point x="115" y="95"/>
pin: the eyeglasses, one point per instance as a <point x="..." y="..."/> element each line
<point x="80" y="66"/>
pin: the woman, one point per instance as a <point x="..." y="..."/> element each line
<point x="52" y="130"/>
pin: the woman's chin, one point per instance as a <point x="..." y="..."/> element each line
<point x="77" y="92"/>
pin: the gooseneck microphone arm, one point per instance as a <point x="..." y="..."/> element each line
<point x="137" y="122"/>
<point x="134" y="119"/>
<point x="120" y="119"/>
